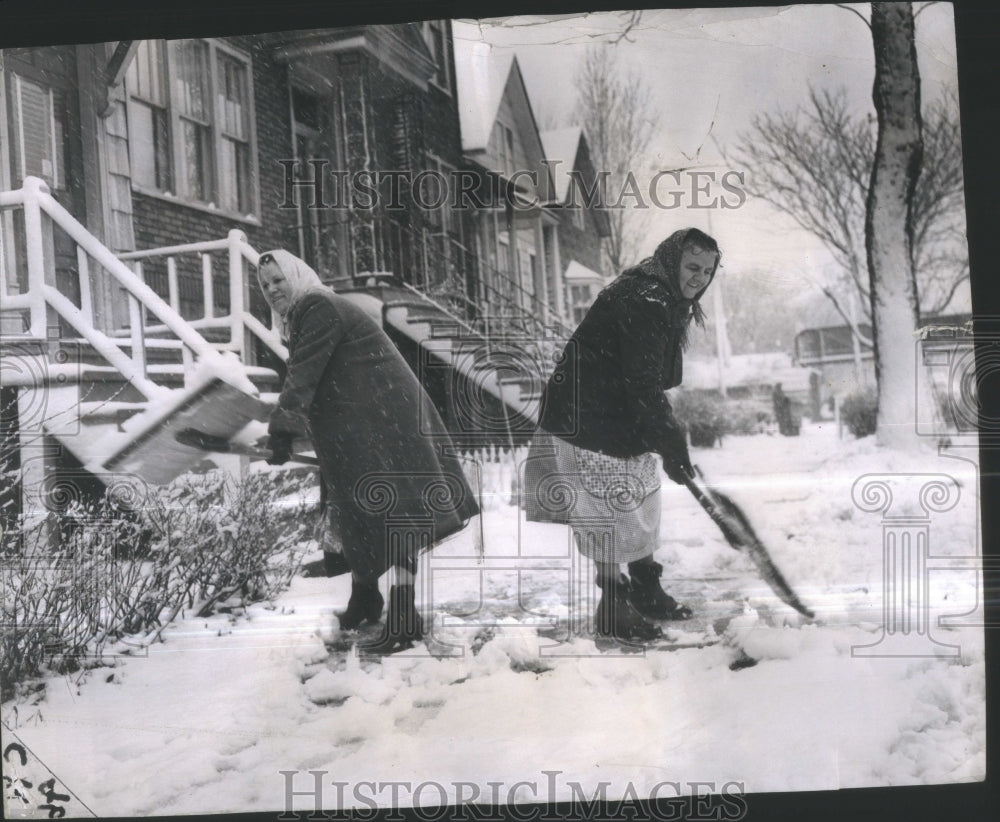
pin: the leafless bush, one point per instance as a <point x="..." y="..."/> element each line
<point x="95" y="576"/>
<point x="227" y="539"/>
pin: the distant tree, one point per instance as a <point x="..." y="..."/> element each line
<point x="613" y="107"/>
<point x="815" y="165"/>
<point x="752" y="324"/>
<point x="896" y="232"/>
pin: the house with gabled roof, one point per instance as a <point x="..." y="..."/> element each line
<point x="501" y="144"/>
<point x="583" y="224"/>
<point x="539" y="245"/>
<point x="140" y="180"/>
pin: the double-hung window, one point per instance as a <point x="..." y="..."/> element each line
<point x="190" y="107"/>
<point x="38" y="132"/>
<point x="435" y="35"/>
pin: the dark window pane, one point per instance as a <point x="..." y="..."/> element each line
<point x="197" y="152"/>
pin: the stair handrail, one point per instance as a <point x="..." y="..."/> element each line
<point x="440" y="307"/>
<point x="238" y="319"/>
<point x="184" y="248"/>
<point x="35" y="198"/>
<point x="548" y="321"/>
<point x="36" y="190"/>
<point x="103" y="344"/>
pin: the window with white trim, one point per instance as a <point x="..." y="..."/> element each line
<point x="38" y="134"/>
<point x="436" y="37"/>
<point x="190" y="109"/>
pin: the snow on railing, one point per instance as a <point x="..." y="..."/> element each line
<point x="104" y="345"/>
<point x="239" y="321"/>
<point x="41" y="295"/>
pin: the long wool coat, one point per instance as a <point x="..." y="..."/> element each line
<point x="384" y="453"/>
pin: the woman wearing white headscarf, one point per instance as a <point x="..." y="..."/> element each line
<point x="385" y="455"/>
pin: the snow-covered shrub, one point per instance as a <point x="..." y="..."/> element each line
<point x="226" y="538"/>
<point x="68" y="590"/>
<point x="708" y="416"/>
<point x="859" y="412"/>
<point x="752" y="415"/>
<point x="703" y="416"/>
<point x="73" y="584"/>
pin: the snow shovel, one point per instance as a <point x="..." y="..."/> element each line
<point x="740" y="535"/>
<point x="220" y="445"/>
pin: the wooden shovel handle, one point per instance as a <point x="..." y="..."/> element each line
<point x="209" y="442"/>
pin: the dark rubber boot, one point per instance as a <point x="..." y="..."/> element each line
<point x="403" y="625"/>
<point x="365" y="605"/>
<point x="648" y="597"/>
<point x="616" y="618"/>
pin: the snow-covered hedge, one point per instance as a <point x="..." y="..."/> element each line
<point x="859" y="411"/>
<point x="708" y="417"/>
<point x="96" y="579"/>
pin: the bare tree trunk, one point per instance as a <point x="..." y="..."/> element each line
<point x="613" y="106"/>
<point x="889" y="223"/>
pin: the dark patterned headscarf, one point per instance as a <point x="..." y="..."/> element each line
<point x="665" y="265"/>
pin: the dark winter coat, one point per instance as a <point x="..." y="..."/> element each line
<point x="384" y="452"/>
<point x="607" y="391"/>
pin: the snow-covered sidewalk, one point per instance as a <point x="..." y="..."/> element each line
<point x="232" y="712"/>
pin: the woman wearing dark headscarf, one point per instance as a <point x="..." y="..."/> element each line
<point x="385" y="456"/>
<point x="604" y="417"/>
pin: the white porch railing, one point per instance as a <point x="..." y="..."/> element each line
<point x="42" y="217"/>
<point x="239" y="322"/>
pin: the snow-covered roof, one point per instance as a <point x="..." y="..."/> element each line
<point x="481" y="74"/>
<point x="578" y="271"/>
<point x="560" y="146"/>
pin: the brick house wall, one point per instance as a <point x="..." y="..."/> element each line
<point x="157" y="221"/>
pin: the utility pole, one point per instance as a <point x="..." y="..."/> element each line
<point x="722" y="350"/>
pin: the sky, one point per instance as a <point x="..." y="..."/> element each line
<point x="709" y="72"/>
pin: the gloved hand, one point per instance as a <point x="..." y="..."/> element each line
<point x="679" y="472"/>
<point x="281" y="449"/>
<point x="676" y="460"/>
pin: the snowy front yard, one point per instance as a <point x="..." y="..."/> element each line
<point x="208" y="720"/>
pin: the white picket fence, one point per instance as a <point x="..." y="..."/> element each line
<point x="493" y="474"/>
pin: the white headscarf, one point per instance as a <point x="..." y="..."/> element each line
<point x="298" y="274"/>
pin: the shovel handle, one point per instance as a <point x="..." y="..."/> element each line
<point x="707" y="501"/>
<point x="220" y="445"/>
